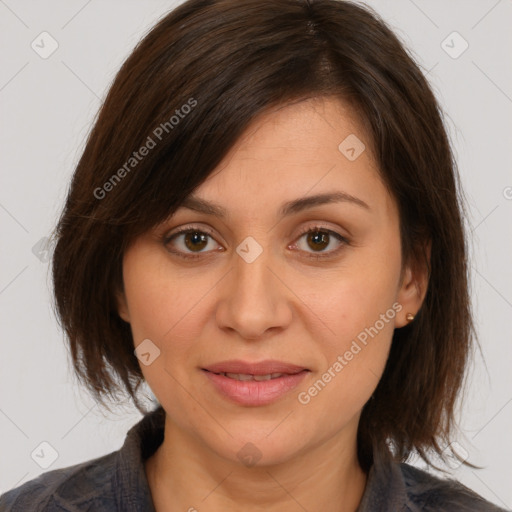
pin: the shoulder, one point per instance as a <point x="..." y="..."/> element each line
<point x="113" y="481"/>
<point x="85" y="486"/>
<point x="427" y="492"/>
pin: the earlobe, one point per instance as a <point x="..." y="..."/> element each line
<point x="413" y="289"/>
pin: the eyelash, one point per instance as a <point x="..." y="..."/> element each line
<point x="311" y="229"/>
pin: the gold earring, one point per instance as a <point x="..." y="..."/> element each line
<point x="409" y="317"/>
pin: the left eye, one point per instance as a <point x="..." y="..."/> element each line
<point x="319" y="239"/>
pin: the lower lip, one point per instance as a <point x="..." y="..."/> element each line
<point x="252" y="392"/>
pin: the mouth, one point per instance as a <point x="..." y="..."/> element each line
<point x="270" y="367"/>
<point x="254" y="384"/>
<point x="248" y="376"/>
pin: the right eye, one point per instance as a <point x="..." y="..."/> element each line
<point x="190" y="240"/>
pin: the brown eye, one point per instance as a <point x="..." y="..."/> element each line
<point x="189" y="242"/>
<point x="318" y="240"/>
<point x="195" y="240"/>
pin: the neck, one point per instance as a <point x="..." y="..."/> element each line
<point x="186" y="475"/>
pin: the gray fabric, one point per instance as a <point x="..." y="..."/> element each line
<point x="117" y="482"/>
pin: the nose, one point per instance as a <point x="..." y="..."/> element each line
<point x="255" y="301"/>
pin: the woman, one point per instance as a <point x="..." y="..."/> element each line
<point x="265" y="226"/>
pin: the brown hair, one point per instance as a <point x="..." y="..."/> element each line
<point x="229" y="61"/>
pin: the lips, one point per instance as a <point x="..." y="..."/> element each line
<point x="262" y="368"/>
<point x="254" y="384"/>
<point x="248" y="376"/>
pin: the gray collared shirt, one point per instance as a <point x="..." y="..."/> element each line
<point x="117" y="482"/>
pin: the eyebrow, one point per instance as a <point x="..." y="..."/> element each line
<point x="289" y="208"/>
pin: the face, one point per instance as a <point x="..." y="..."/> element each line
<point x="315" y="284"/>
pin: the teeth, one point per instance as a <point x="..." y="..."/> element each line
<point x="239" y="376"/>
<point x="245" y="376"/>
<point x="264" y="377"/>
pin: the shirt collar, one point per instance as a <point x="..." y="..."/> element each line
<point x="129" y="481"/>
<point x="385" y="487"/>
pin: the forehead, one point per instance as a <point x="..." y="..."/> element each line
<point x="310" y="125"/>
<point x="312" y="148"/>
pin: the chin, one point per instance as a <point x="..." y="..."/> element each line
<point x="261" y="451"/>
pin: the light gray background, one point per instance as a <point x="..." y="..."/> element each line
<point x="47" y="107"/>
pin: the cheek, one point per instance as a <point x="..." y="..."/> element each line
<point x="167" y="306"/>
<point x="360" y="325"/>
<point x="358" y="307"/>
<point x="353" y="298"/>
<point x="353" y="362"/>
<point x="159" y="301"/>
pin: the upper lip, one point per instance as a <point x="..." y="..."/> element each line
<point x="261" y="368"/>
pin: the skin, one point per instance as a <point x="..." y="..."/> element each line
<point x="284" y="305"/>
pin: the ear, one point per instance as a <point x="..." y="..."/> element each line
<point x="122" y="306"/>
<point x="413" y="287"/>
